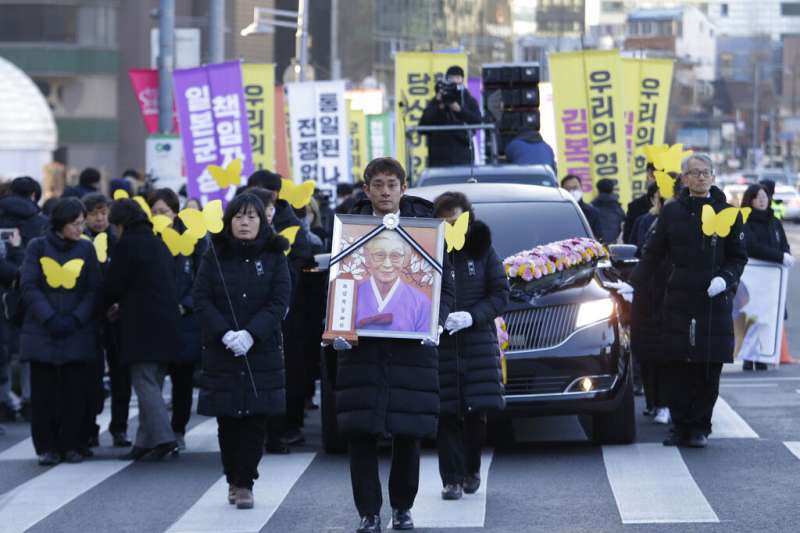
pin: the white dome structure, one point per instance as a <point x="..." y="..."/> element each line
<point x="28" y="132"/>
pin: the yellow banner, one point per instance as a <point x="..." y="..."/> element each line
<point x="415" y="75"/>
<point x="259" y="93"/>
<point x="647" y="87"/>
<point x="358" y="141"/>
<point x="588" y="101"/>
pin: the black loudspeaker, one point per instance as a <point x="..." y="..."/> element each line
<point x="511" y="99"/>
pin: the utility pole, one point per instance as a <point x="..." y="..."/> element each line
<point x="756" y="117"/>
<point x="166" y="62"/>
<point x="336" y="65"/>
<point x="301" y="39"/>
<point x="216" y="31"/>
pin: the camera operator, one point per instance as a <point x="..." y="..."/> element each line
<point x="453" y="105"/>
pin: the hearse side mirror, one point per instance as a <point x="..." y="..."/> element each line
<point x="623" y="255"/>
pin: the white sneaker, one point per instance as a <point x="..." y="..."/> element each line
<point x="662" y="416"/>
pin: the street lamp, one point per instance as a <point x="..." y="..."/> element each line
<point x="265" y="20"/>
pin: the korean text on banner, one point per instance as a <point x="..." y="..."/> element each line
<point x="415" y="75"/>
<point x="318" y="132"/>
<point x="358" y="141"/>
<point x="589" y="117"/>
<point x="647" y="86"/>
<point x="144" y="82"/>
<point x="213" y="118"/>
<point x="259" y="91"/>
<point x="380" y="135"/>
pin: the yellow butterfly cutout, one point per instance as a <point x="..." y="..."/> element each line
<point x="179" y="243"/>
<point x="666" y="185"/>
<point x="160" y="222"/>
<point x="57" y="275"/>
<point x="290" y="234"/>
<point x="101" y="246"/>
<point x="121" y="194"/>
<point x="654" y="150"/>
<point x="198" y="223"/>
<point x="297" y="195"/>
<point x="455" y="235"/>
<point x="143" y="204"/>
<point x="670" y="160"/>
<point x="745" y="211"/>
<point x="230" y="176"/>
<point x="718" y="223"/>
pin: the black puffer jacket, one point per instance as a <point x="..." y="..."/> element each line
<point x="256" y="276"/>
<point x="20" y="212"/>
<point x="392" y="385"/>
<point x="610" y="217"/>
<point x="470" y="378"/>
<point x="695" y="327"/>
<point x="765" y="237"/>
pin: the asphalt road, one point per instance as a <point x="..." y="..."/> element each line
<point x="550" y="480"/>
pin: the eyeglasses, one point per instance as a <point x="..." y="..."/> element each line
<point x="396" y="258"/>
<point x="696" y="173"/>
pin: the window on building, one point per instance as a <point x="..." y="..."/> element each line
<point x="613" y="7"/>
<point x="647" y="28"/>
<point x="723" y="10"/>
<point x="39" y="23"/>
<point x="790" y="9"/>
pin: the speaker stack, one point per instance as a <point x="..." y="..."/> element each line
<point x="510" y="99"/>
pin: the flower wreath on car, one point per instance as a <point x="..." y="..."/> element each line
<point x="543" y="264"/>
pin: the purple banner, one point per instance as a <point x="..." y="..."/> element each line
<point x="213" y="124"/>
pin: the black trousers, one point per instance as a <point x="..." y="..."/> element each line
<point x="58" y="406"/>
<point x="295" y="364"/>
<point x="403" y="476"/>
<point x="459" y="442"/>
<point x="241" y="444"/>
<point x="692" y="390"/>
<point x="182" y="377"/>
<point x="95" y="396"/>
<point x="120" y="376"/>
<point x="655" y="391"/>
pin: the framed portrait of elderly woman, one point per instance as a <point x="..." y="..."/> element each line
<point x="385" y="277"/>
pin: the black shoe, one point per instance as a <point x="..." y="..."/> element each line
<point x="73" y="456"/>
<point x="697" y="439"/>
<point x="761" y="366"/>
<point x="120" y="440"/>
<point x="676" y="438"/>
<point x="277" y="448"/>
<point x="370" y="524"/>
<point x="452" y="491"/>
<point x="49" y="459"/>
<point x="160" y="452"/>
<point x="135" y="454"/>
<point x="293" y="437"/>
<point x="86" y="452"/>
<point x="472" y="483"/>
<point x="747" y="365"/>
<point x="402" y="519"/>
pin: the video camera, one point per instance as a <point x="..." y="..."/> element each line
<point x="451" y="92"/>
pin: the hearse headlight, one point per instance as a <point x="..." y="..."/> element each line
<point x="594" y="311"/>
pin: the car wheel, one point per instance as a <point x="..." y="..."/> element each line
<point x="617" y="426"/>
<point x="332" y="441"/>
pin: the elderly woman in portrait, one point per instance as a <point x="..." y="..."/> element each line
<point x="385" y="301"/>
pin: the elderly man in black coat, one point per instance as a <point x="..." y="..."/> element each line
<point x="697" y="324"/>
<point x="389" y="386"/>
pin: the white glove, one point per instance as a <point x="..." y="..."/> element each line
<point x="340" y="344"/>
<point x="242" y="343"/>
<point x="622" y="288"/>
<point x="457" y="321"/>
<point x="432" y="343"/>
<point x="717" y="286"/>
<point x="788" y="260"/>
<point x="227" y="339"/>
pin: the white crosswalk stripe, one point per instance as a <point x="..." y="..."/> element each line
<point x="794" y="447"/>
<point x="213" y="514"/>
<point x="727" y="424"/>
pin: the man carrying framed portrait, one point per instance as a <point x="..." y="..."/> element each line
<point x="401" y="291"/>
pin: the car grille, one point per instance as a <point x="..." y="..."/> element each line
<point x="532" y="385"/>
<point x="540" y="327"/>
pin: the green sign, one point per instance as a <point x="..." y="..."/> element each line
<point x="379" y="135"/>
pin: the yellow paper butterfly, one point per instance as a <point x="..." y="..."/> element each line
<point x="297" y="195"/>
<point x="455" y="235"/>
<point x="290" y="234"/>
<point x="61" y="276"/>
<point x="670" y="160"/>
<point x="654" y="150"/>
<point x="100" y="245"/>
<point x="230" y="176"/>
<point x="745" y="211"/>
<point x="198" y="223"/>
<point x="666" y="185"/>
<point x="143" y="204"/>
<point x="121" y="194"/>
<point x="160" y="222"/>
<point x="179" y="243"/>
<point x="718" y="223"/>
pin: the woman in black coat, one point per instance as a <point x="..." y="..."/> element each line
<point x="241" y="295"/>
<point x="181" y="371"/>
<point x="470" y="379"/>
<point x="60" y="281"/>
<point x="140" y="289"/>
<point x="765" y="237"/>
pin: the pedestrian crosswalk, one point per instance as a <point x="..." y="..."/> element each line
<point x="645" y="483"/>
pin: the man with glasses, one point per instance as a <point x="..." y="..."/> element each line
<point x="697" y="325"/>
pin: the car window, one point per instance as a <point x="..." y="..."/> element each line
<point x="521" y="226"/>
<point x="545" y="181"/>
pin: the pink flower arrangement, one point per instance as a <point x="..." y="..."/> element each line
<point x="553" y="257"/>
